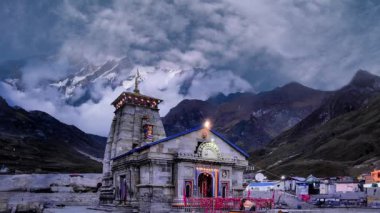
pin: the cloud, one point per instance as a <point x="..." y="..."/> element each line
<point x="267" y="42"/>
<point x="240" y="45"/>
<point x="37" y="71"/>
<point x="90" y="117"/>
<point x="274" y="41"/>
<point x="318" y="43"/>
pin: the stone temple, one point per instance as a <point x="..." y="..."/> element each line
<point x="146" y="171"/>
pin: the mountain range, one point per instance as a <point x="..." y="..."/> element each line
<point x="296" y="130"/>
<point x="340" y="137"/>
<point x="250" y="120"/>
<point x="290" y="128"/>
<point x="37" y="142"/>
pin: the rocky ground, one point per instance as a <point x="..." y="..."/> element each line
<point x="38" y="192"/>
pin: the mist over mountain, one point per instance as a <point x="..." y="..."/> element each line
<point x="82" y="87"/>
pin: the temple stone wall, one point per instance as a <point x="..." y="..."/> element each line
<point x="126" y="130"/>
<point x="145" y="174"/>
<point x="131" y="175"/>
<point x="108" y="149"/>
<point x="237" y="182"/>
<point x="162" y="173"/>
<point x="129" y="128"/>
<point x="185" y="171"/>
<point x="155" y="199"/>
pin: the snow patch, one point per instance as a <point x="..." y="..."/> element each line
<point x="90" y="156"/>
<point x="69" y="91"/>
<point x="110" y="76"/>
<point x="78" y="79"/>
<point x="60" y="84"/>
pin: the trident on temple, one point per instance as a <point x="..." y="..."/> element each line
<point x="136" y="90"/>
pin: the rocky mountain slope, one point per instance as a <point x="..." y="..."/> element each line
<point x="36" y="142"/>
<point x="251" y="120"/>
<point x="340" y="137"/>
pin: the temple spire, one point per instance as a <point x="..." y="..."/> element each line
<point x="136" y="90"/>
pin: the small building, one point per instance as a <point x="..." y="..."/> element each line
<point x="313" y="184"/>
<point x="327" y="188"/>
<point x="302" y="189"/>
<point x="290" y="183"/>
<point x="343" y="187"/>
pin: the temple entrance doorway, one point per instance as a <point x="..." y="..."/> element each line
<point x="205" y="185"/>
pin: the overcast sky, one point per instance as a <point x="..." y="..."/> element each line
<point x="260" y="44"/>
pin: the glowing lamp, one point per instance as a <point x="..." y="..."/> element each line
<point x="207" y="124"/>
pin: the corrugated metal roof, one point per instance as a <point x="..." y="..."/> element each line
<point x="257" y="184"/>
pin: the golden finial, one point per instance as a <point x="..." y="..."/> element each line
<point x="136" y="90"/>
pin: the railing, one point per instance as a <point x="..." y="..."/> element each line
<point x="222" y="204"/>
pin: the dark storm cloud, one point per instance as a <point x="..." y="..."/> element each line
<point x="27" y="29"/>
<point x="319" y="43"/>
<point x="267" y="42"/>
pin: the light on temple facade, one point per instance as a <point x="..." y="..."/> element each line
<point x="207" y="124"/>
